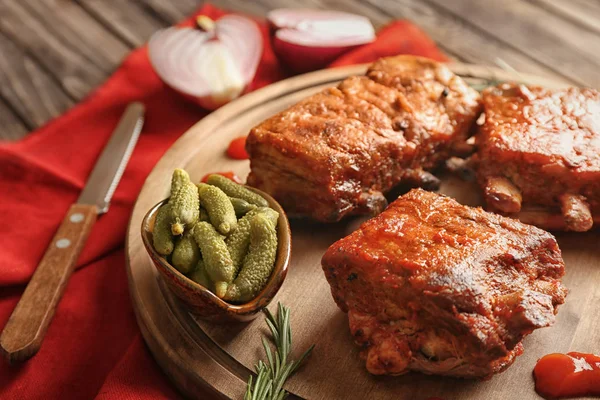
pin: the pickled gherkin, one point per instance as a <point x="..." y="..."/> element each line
<point x="179" y="177"/>
<point x="219" y="208"/>
<point x="161" y="233"/>
<point x="185" y="206"/>
<point x="186" y="253"/>
<point x="215" y="255"/>
<point x="238" y="241"/>
<point x="258" y="263"/>
<point x="200" y="276"/>
<point x="233" y="189"/>
<point x="271" y="215"/>
<point x="241" y="207"/>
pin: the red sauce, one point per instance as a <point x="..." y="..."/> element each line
<point x="226" y="174"/>
<point x="237" y="149"/>
<point x="567" y="375"/>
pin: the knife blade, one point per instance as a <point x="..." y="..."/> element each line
<point x="25" y="330"/>
<point x="107" y="172"/>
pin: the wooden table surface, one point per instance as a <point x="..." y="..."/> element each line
<point x="54" y="52"/>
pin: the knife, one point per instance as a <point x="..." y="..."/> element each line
<point x="23" y="334"/>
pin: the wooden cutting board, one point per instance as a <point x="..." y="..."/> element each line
<point x="202" y="358"/>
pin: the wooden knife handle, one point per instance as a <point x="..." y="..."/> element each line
<point x="23" y="334"/>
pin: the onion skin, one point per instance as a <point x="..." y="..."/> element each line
<point x="306" y="40"/>
<point x="304" y="58"/>
<point x="212" y="67"/>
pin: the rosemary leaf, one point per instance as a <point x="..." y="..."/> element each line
<point x="277" y="365"/>
<point x="268" y="352"/>
<point x="272" y="323"/>
<point x="302" y="357"/>
<point x="278" y="384"/>
<point x="274" y="331"/>
<point x="285" y="344"/>
<point x="259" y="381"/>
<point x="267" y="386"/>
<point x="248" y="395"/>
<point x="282" y="395"/>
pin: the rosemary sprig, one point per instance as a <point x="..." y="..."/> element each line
<point x="271" y="376"/>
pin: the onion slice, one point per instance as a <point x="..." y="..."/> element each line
<point x="212" y="67"/>
<point x="306" y="39"/>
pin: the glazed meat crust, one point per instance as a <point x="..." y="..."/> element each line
<point x="434" y="286"/>
<point x="546" y="145"/>
<point x="336" y="152"/>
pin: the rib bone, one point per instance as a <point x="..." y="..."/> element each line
<point x="576" y="212"/>
<point x="502" y="195"/>
<point x="546" y="219"/>
<point x="420" y="178"/>
<point x="463" y="149"/>
<point x="461" y="167"/>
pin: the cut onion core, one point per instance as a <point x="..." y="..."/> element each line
<point x="213" y="63"/>
<point x="205" y="23"/>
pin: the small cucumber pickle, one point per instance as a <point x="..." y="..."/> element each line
<point x="184" y="201"/>
<point x="219" y="208"/>
<point x="214" y="253"/>
<point x="258" y="263"/>
<point x="186" y="253"/>
<point x="200" y="276"/>
<point x="161" y="234"/>
<point x="232" y="189"/>
<point x="241" y="207"/>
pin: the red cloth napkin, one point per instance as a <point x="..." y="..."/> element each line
<point x="93" y="347"/>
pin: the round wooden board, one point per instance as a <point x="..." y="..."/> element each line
<point x="203" y="359"/>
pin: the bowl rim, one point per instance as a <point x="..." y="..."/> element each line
<point x="278" y="275"/>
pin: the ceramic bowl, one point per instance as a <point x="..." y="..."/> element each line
<point x="201" y="301"/>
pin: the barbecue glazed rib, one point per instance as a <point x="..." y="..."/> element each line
<point x="336" y="152"/>
<point x="431" y="285"/>
<point x="541" y="148"/>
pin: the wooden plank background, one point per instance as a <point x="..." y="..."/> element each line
<point x="53" y="52"/>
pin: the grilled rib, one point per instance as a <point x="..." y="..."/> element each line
<point x="431" y="285"/>
<point x="337" y="152"/>
<point x="545" y="144"/>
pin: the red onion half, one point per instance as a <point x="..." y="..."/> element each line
<point x="214" y="66"/>
<point x="307" y="39"/>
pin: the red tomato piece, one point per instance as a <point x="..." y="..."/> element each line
<point x="227" y="174"/>
<point x="237" y="149"/>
